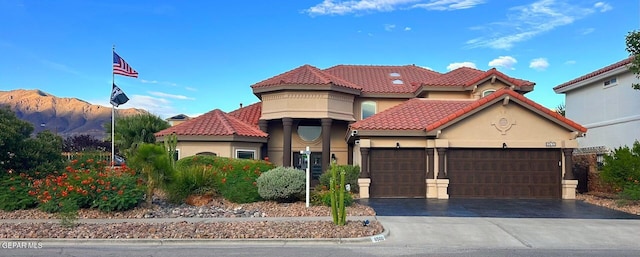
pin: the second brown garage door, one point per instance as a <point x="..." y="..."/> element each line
<point x="504" y="173"/>
<point x="397" y="173"/>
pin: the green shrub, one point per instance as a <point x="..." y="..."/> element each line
<point x="351" y="177"/>
<point x="190" y="180"/>
<point x="234" y="179"/>
<point x="14" y="193"/>
<point x="282" y="184"/>
<point x="323" y="198"/>
<point x="622" y="170"/>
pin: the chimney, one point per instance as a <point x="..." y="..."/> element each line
<point x="240" y="105"/>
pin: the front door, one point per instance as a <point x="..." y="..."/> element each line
<point x="316" y="163"/>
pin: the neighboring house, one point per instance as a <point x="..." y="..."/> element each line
<point x="175" y="120"/>
<point x="606" y="104"/>
<point x="414" y="132"/>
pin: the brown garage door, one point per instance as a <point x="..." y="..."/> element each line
<point x="397" y="173"/>
<point x="504" y="173"/>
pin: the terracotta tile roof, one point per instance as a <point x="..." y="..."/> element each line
<point x="378" y="79"/>
<point x="414" y="114"/>
<point x="249" y="114"/>
<point x="494" y="71"/>
<point x="595" y="73"/>
<point x="429" y="115"/>
<point x="305" y="75"/>
<point x="213" y="123"/>
<point x="501" y="94"/>
<point x="458" y="77"/>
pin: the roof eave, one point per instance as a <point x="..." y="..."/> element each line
<point x="591" y="80"/>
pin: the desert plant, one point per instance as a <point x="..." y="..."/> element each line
<point x="282" y="184"/>
<point x="190" y="180"/>
<point x="337" y="190"/>
<point x="351" y="177"/>
<point x="152" y="161"/>
<point x="622" y="170"/>
<point x="170" y="143"/>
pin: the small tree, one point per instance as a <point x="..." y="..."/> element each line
<point x="622" y="170"/>
<point x="633" y="47"/>
<point x="152" y="161"/>
<point x="131" y="131"/>
<point x="561" y="109"/>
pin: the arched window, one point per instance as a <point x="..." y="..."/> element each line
<point x="488" y="92"/>
<point x="368" y="109"/>
<point x="309" y="130"/>
<point x="206" y="154"/>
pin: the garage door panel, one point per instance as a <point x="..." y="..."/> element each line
<point x="397" y="172"/>
<point x="504" y="173"/>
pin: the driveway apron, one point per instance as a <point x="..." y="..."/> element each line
<point x="498" y="208"/>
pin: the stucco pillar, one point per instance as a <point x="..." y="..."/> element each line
<point x="432" y="190"/>
<point x="364" y="152"/>
<point x="441" y="163"/>
<point x="264" y="126"/>
<point x="568" y="163"/>
<point x="326" y="143"/>
<point x="350" y="154"/>
<point x="286" y="145"/>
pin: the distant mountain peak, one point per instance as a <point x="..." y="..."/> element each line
<point x="64" y="116"/>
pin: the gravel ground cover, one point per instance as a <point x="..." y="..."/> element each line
<point x="208" y="228"/>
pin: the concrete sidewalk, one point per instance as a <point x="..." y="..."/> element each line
<point x="412" y="231"/>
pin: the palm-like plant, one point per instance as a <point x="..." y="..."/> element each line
<point x="152" y="161"/>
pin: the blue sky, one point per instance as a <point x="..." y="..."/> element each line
<point x="196" y="56"/>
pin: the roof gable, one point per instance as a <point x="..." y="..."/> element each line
<point x="213" y="123"/>
<point x="498" y="96"/>
<point x="433" y="115"/>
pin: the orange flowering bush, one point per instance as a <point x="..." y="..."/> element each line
<point x="89" y="184"/>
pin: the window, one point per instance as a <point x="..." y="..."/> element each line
<point x="611" y="82"/>
<point x="368" y="109"/>
<point x="309" y="130"/>
<point x="206" y="154"/>
<point x="245" y="154"/>
<point x="394" y="74"/>
<point x="488" y="92"/>
<point x="397" y="82"/>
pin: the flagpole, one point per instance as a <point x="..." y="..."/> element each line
<point x="113" y="112"/>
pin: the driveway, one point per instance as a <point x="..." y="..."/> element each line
<point x="497" y="208"/>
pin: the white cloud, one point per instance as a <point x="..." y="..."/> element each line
<point x="528" y="21"/>
<point x="149" y="81"/>
<point x="539" y="64"/>
<point x="336" y="7"/>
<point x="506" y="62"/>
<point x="389" y="27"/>
<point x="456" y="65"/>
<point x="407" y="28"/>
<point x="602" y="6"/>
<point x="165" y="95"/>
<point x="59" y="67"/>
<point x="193" y="89"/>
<point x="158" y="106"/>
<point x="570" y="62"/>
<point x="448" y="5"/>
<point x="587" y="31"/>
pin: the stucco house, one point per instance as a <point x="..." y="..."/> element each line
<point x="606" y="104"/>
<point x="414" y="132"/>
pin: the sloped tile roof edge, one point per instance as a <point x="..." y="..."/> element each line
<point x="482" y="102"/>
<point x="220" y="116"/>
<point x="608" y="68"/>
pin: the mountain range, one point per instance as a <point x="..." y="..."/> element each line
<point x="63" y="116"/>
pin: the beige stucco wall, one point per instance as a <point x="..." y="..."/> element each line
<point x="307" y="104"/>
<point x="511" y="124"/>
<point x="448" y="95"/>
<point x="223" y="149"/>
<point x="381" y="105"/>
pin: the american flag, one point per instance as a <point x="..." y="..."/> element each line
<point x="120" y="67"/>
